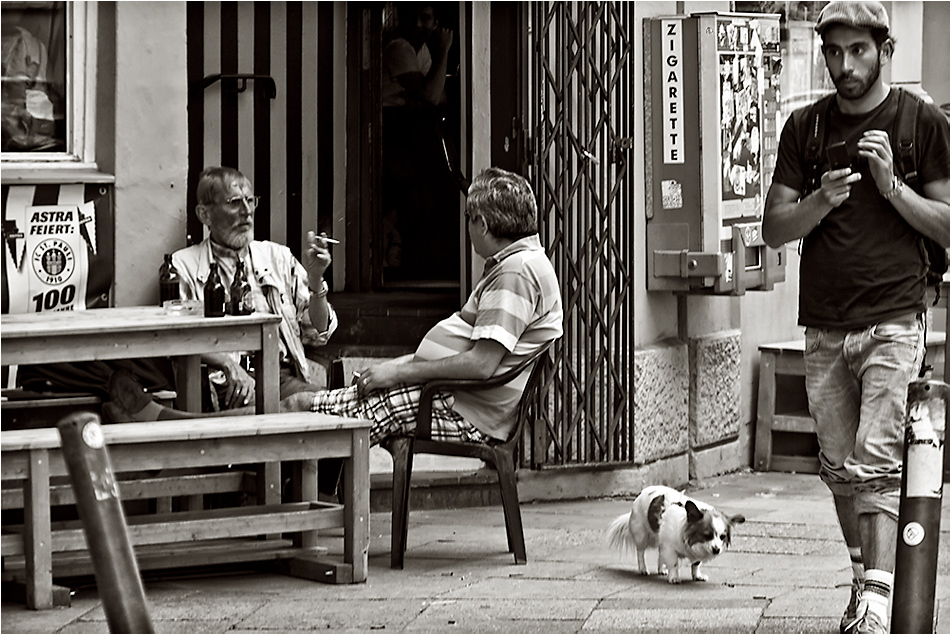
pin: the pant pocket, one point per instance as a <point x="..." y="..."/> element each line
<point x="813" y="340"/>
<point x="904" y="331"/>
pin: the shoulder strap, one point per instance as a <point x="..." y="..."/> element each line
<point x="903" y="138"/>
<point x="818" y="134"/>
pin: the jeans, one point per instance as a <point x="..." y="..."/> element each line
<point x="857" y="385"/>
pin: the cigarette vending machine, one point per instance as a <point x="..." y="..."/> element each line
<point x="711" y="93"/>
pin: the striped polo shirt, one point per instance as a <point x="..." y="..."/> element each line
<point x="517" y="303"/>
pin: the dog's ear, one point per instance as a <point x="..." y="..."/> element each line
<point x="693" y="512"/>
<point x="739" y="519"/>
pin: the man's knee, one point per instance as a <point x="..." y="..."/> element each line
<point x="878" y="498"/>
<point x="833" y="473"/>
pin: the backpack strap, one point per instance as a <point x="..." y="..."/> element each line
<point x="903" y="138"/>
<point x="905" y="154"/>
<point x="817" y="119"/>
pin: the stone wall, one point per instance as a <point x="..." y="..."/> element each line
<point x="660" y="406"/>
<point x="715" y="393"/>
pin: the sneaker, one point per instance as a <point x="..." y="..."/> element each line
<point x="851" y="616"/>
<point x="870" y="624"/>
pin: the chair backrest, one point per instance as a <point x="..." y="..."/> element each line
<point x="542" y="366"/>
<point x="541" y="360"/>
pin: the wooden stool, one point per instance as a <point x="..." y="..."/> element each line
<point x="782" y="405"/>
<point x="777" y="361"/>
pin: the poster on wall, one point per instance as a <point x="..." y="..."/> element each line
<point x="58" y="268"/>
<point x="741" y="89"/>
<point x="53" y="257"/>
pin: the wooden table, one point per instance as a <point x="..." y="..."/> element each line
<point x="130" y="332"/>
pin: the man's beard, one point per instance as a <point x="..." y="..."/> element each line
<point x="859" y="88"/>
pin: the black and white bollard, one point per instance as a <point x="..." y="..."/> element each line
<point x="97" y="500"/>
<point x="919" y="516"/>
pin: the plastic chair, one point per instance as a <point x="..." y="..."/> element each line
<point x="497" y="454"/>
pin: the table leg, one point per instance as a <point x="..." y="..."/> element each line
<point x="356" y="491"/>
<point x="37" y="538"/>
<point x="308" y="492"/>
<point x="188" y="382"/>
<point x="268" y="385"/>
<point x="765" y="412"/>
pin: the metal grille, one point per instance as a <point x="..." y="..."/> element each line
<point x="578" y="105"/>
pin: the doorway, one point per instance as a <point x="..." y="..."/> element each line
<point x="413" y="226"/>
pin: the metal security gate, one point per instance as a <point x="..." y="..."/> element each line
<point x="578" y="105"/>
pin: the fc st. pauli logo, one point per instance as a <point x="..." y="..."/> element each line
<point x="53" y="261"/>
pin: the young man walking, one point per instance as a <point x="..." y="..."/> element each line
<point x="862" y="284"/>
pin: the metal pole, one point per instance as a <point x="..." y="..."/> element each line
<point x="97" y="500"/>
<point x="919" y="516"/>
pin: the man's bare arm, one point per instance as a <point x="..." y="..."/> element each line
<point x="479" y="362"/>
<point x="787" y="217"/>
<point x="430" y="88"/>
<point x="930" y="214"/>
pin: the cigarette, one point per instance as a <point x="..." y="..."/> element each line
<point x="332" y="241"/>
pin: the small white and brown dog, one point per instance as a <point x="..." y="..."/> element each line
<point x="678" y="526"/>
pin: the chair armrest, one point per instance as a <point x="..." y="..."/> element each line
<point x="433" y="386"/>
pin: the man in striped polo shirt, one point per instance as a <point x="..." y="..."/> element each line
<point x="514" y="310"/>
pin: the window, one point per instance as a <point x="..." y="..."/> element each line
<point x="47" y="78"/>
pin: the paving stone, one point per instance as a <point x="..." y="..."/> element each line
<point x="475" y="624"/>
<point x="333" y="615"/>
<point x="808" y="603"/>
<point x="673" y="620"/>
<point x="193" y="606"/>
<point x="798" y="625"/>
<point x="540" y="589"/>
<point x="17" y="619"/>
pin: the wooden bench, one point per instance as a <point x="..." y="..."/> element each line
<point x="40" y="549"/>
<point x="782" y="406"/>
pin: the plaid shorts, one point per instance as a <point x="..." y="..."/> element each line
<point x="393" y="412"/>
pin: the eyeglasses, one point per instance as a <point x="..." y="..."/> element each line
<point x="469" y="217"/>
<point x="235" y="202"/>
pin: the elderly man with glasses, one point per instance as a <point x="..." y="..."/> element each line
<point x="279" y="284"/>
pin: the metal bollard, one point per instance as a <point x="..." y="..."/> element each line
<point x="97" y="500"/>
<point x="919" y="516"/>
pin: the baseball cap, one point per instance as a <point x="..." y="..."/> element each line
<point x="860" y="15"/>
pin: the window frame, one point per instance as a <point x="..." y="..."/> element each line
<point x="81" y="35"/>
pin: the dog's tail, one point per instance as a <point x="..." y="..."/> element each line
<point x="619" y="534"/>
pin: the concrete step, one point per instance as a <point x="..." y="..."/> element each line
<point x="439" y="490"/>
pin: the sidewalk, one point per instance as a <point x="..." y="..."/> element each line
<point x="787" y="572"/>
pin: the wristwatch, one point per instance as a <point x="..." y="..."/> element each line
<point x="897" y="186"/>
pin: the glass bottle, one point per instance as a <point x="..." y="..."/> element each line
<point x="240" y="303"/>
<point x="168" y="281"/>
<point x="214" y="293"/>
